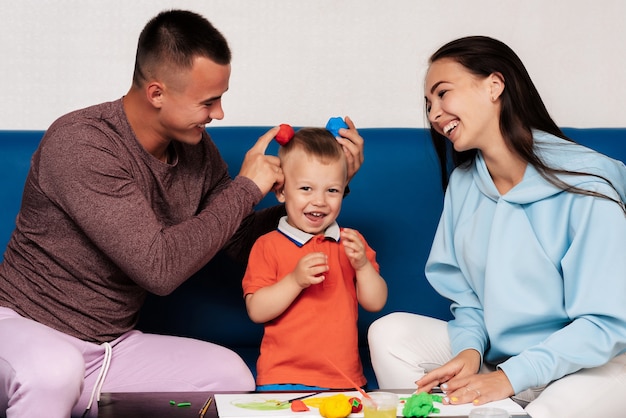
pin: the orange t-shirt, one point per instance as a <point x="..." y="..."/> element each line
<point x="321" y="322"/>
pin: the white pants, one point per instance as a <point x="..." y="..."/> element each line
<point x="404" y="345"/>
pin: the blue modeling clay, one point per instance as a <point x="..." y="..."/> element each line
<point x="334" y="124"/>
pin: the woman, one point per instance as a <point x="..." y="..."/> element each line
<point x="529" y="250"/>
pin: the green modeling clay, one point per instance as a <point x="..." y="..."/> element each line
<point x="263" y="405"/>
<point x="420" y="405"/>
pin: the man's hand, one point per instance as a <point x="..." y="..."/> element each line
<point x="352" y="144"/>
<point x="263" y="170"/>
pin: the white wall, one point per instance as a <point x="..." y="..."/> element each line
<point x="300" y="62"/>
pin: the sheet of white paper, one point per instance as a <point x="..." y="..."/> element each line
<point x="266" y="404"/>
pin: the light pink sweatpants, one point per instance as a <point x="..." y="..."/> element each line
<point x="44" y="372"/>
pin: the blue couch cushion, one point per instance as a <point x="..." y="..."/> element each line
<point x="395" y="202"/>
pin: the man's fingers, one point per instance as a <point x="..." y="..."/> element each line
<point x="263" y="142"/>
<point x="349" y="122"/>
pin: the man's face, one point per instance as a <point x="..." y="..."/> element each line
<point x="193" y="99"/>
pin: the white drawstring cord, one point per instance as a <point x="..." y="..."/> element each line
<point x="106" y="362"/>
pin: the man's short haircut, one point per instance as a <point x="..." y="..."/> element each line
<point x="172" y="39"/>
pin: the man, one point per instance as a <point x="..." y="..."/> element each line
<point x="125" y="198"/>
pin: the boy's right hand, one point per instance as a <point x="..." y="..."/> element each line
<point x="310" y="269"/>
<point x="263" y="170"/>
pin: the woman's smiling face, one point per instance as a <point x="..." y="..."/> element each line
<point x="460" y="105"/>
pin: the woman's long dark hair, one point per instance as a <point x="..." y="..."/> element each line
<point x="522" y="109"/>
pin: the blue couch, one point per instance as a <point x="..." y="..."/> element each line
<point x="395" y="202"/>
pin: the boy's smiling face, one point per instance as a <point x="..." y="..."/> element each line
<point x="313" y="190"/>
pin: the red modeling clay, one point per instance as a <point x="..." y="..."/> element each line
<point x="357" y="406"/>
<point x="297" y="405"/>
<point x="285" y="134"/>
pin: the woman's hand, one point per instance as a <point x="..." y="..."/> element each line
<point x="460" y="382"/>
<point x="479" y="389"/>
<point x="465" y="364"/>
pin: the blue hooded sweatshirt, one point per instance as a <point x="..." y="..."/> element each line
<point x="537" y="276"/>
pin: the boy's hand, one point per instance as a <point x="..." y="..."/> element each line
<point x="310" y="269"/>
<point x="355" y="248"/>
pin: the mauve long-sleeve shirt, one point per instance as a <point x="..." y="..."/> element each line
<point x="102" y="222"/>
